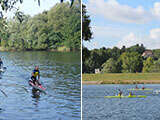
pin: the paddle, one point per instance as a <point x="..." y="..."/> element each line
<point x="3" y="93"/>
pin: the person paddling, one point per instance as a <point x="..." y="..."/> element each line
<point x="120" y="93"/>
<point x="35" y="75"/>
<point x="130" y="94"/>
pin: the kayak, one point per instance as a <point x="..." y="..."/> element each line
<point x="140" y="89"/>
<point x="39" y="87"/>
<point x="133" y="96"/>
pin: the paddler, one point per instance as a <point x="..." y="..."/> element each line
<point x="120" y="93"/>
<point x="143" y="88"/>
<point x="130" y="94"/>
<point x="136" y="87"/>
<point x="36" y="76"/>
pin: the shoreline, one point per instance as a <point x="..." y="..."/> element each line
<point x="121" y="78"/>
<point x="103" y="83"/>
<point x="48" y="50"/>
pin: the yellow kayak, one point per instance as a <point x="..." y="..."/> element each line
<point x="129" y="96"/>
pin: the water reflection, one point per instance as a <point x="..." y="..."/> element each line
<point x="36" y="98"/>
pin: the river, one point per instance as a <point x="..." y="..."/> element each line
<point x="60" y="75"/>
<point x="96" y="107"/>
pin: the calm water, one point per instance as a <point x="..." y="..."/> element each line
<point x="60" y="74"/>
<point x="96" y="107"/>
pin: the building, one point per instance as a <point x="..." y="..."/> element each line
<point x="97" y="71"/>
<point x="147" y="53"/>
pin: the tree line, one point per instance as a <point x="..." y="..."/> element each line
<point x="124" y="60"/>
<point x="60" y="27"/>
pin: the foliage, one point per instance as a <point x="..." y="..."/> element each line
<point x="148" y="64"/>
<point x="127" y="59"/>
<point x="60" y="26"/>
<point x="86" y="29"/>
<point x="156" y="66"/>
<point x="131" y="62"/>
<point x="110" y="66"/>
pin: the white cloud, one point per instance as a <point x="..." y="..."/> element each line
<point x="155" y="33"/>
<point x="108" y="31"/>
<point x="156" y="9"/>
<point x="151" y="41"/>
<point x="129" y="40"/>
<point x="112" y="10"/>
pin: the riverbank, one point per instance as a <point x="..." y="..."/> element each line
<point x="59" y="49"/>
<point x="121" y="78"/>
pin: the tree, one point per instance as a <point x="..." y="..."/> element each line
<point x="110" y="66"/>
<point x="136" y="48"/>
<point x="92" y="62"/>
<point x="148" y="64"/>
<point x="58" y="27"/>
<point x="131" y="62"/>
<point x="86" y="29"/>
<point x="156" y="66"/>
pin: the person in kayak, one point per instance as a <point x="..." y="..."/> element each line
<point x="1" y="63"/>
<point x="130" y="94"/>
<point x="120" y="93"/>
<point x="136" y="87"/>
<point x="35" y="75"/>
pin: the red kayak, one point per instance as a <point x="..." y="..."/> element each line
<point x="39" y="87"/>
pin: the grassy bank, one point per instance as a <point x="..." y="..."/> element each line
<point x="121" y="78"/>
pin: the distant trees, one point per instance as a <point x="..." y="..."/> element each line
<point x="110" y="66"/>
<point x="131" y="62"/>
<point x="148" y="64"/>
<point x="117" y="60"/>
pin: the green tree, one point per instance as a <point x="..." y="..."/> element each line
<point x="131" y="62"/>
<point x="156" y="66"/>
<point x="58" y="27"/>
<point x="86" y="29"/>
<point x="148" y="64"/>
<point x="110" y="66"/>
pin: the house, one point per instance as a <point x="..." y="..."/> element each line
<point x="97" y="71"/>
<point x="147" y="53"/>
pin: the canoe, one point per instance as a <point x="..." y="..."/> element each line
<point x="133" y="96"/>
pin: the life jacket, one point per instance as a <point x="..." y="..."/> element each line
<point x="35" y="73"/>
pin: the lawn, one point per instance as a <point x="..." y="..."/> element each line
<point x="121" y="78"/>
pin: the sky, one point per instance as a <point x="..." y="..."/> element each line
<point x="32" y="8"/>
<point x="124" y="22"/>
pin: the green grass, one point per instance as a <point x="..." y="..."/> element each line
<point x="123" y="78"/>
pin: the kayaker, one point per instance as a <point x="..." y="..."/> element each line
<point x="130" y="94"/>
<point x="1" y="63"/>
<point x="136" y="87"/>
<point x="120" y="93"/>
<point x="143" y="88"/>
<point x="35" y="75"/>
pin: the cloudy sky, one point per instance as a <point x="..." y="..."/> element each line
<point x="124" y="22"/>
